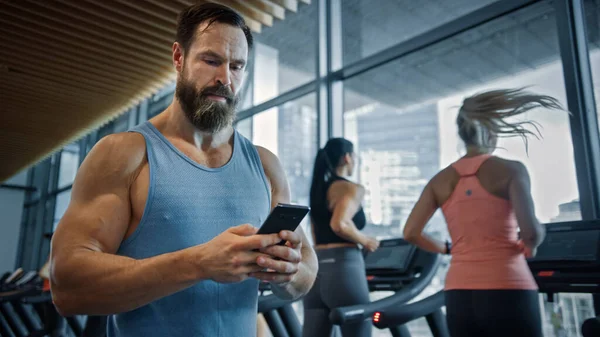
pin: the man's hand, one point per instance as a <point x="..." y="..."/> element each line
<point x="282" y="262"/>
<point x="232" y="255"/>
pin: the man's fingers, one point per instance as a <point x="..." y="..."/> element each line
<point x="295" y="239"/>
<point x="256" y="242"/>
<point x="247" y="258"/>
<point x="243" y="230"/>
<point x="251" y="268"/>
<point x="272" y="277"/>
<point x="282" y="267"/>
<point x="284" y="253"/>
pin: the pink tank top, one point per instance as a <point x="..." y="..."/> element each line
<point x="486" y="252"/>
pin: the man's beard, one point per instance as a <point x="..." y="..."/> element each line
<point x="206" y="114"/>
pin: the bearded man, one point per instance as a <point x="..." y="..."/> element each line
<point x="160" y="233"/>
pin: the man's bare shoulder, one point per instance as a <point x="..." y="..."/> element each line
<point x="271" y="165"/>
<point x="119" y="154"/>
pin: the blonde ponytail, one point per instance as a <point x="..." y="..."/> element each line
<point x="486" y="113"/>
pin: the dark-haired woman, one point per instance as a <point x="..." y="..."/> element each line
<point x="337" y="220"/>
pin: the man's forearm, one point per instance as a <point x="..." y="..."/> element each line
<point x="298" y="287"/>
<point x="96" y="283"/>
<point x="304" y="279"/>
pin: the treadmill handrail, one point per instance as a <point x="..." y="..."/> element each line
<point x="342" y="315"/>
<point x="272" y="302"/>
<point x="402" y="314"/>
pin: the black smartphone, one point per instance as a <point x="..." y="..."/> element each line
<point x="283" y="217"/>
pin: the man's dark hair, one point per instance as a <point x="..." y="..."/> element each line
<point x="190" y="18"/>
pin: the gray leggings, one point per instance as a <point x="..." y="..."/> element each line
<point x="341" y="281"/>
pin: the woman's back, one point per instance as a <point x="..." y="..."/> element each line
<point x="338" y="190"/>
<point x="474" y="194"/>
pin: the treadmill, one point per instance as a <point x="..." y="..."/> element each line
<point x="568" y="261"/>
<point x="278" y="313"/>
<point x="407" y="270"/>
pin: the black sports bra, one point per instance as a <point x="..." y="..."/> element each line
<point x="321" y="218"/>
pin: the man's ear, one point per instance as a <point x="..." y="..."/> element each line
<point x="178" y="58"/>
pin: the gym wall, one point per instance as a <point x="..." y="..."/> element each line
<point x="11" y="208"/>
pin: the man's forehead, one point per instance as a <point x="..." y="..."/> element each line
<point x="217" y="33"/>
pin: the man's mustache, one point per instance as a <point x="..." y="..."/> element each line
<point x="218" y="90"/>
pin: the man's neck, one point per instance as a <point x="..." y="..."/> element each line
<point x="175" y="123"/>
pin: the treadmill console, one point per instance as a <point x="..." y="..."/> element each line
<point x="569" y="258"/>
<point x="393" y="255"/>
<point x="388" y="268"/>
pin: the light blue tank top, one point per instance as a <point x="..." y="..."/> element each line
<point x="189" y="204"/>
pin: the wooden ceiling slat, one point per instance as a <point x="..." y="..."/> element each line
<point x="74" y="28"/>
<point x="23" y="31"/>
<point x="81" y="77"/>
<point x="148" y="8"/>
<point x="52" y="76"/>
<point x="26" y="80"/>
<point x="42" y="120"/>
<point x="268" y="7"/>
<point x="11" y="91"/>
<point x="49" y="14"/>
<point x="90" y="72"/>
<point x="93" y="97"/>
<point x="170" y="6"/>
<point x="290" y="5"/>
<point x="31" y="87"/>
<point x="74" y="58"/>
<point x="108" y="16"/>
<point x="33" y="102"/>
<point x="38" y="112"/>
<point x="68" y="35"/>
<point x="161" y="23"/>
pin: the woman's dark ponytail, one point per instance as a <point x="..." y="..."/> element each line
<point x="320" y="171"/>
<point x="326" y="163"/>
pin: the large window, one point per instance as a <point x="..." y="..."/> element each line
<point x="592" y="18"/>
<point x="290" y="132"/>
<point x="62" y="202"/>
<point x="370" y="27"/>
<point x="401" y="117"/>
<point x="69" y="162"/>
<point x="284" y="55"/>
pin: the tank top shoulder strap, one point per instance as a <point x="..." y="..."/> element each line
<point x="469" y="166"/>
<point x="152" y="140"/>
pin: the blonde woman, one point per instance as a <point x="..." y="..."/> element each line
<point x="489" y="288"/>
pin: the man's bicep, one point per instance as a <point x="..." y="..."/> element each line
<point x="99" y="225"/>
<point x="276" y="177"/>
<point x="99" y="212"/>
